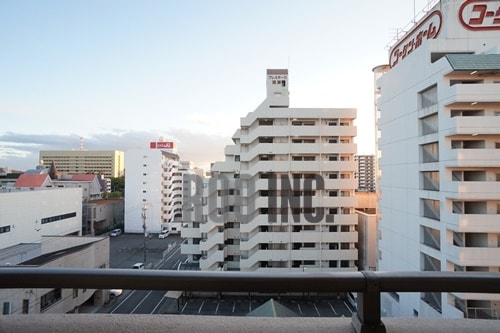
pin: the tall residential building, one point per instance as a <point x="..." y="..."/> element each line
<point x="283" y="199"/>
<point x="109" y="163"/>
<point x="154" y="187"/>
<point x="439" y="120"/>
<point x="365" y="173"/>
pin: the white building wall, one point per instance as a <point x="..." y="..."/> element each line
<point x="405" y="226"/>
<point x="26" y="214"/>
<point x="143" y="187"/>
<point x="155" y="182"/>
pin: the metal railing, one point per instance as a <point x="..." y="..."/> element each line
<point x="367" y="284"/>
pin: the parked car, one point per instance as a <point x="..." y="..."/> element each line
<point x="115" y="292"/>
<point x="164" y="234"/>
<point x="116" y="232"/>
<point x="138" y="265"/>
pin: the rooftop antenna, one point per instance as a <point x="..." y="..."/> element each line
<point x="414" y="12"/>
<point x="81" y="143"/>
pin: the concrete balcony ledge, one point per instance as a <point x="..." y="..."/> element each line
<point x="181" y="323"/>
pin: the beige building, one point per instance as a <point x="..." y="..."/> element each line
<point x="109" y="163"/>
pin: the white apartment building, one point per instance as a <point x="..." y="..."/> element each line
<point x="109" y="163"/>
<point x="439" y="123"/>
<point x="153" y="191"/>
<point x="365" y="174"/>
<point x="283" y="199"/>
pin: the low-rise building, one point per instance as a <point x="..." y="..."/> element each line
<point x="55" y="251"/>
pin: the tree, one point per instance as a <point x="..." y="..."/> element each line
<point x="118" y="184"/>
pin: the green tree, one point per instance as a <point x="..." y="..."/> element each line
<point x="118" y="185"/>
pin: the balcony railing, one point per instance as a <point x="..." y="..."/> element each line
<point x="367" y="284"/>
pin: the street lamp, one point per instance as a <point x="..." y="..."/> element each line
<point x="144" y="209"/>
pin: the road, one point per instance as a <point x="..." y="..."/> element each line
<point x="127" y="249"/>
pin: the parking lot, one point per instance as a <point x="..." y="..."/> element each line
<point x="128" y="249"/>
<point x="242" y="305"/>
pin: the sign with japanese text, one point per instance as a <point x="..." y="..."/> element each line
<point x="427" y="29"/>
<point x="480" y="15"/>
<point x="161" y="145"/>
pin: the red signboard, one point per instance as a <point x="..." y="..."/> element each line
<point x="161" y="145"/>
<point x="480" y="15"/>
<point x="427" y="29"/>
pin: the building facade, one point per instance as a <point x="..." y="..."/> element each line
<point x="439" y="120"/>
<point x="28" y="214"/>
<point x="365" y="173"/>
<point x="109" y="163"/>
<point x="57" y="251"/>
<point x="283" y="199"/>
<point x="153" y="191"/>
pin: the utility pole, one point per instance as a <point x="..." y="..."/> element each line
<point x="144" y="209"/>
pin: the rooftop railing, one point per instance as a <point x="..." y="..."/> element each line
<point x="367" y="284"/>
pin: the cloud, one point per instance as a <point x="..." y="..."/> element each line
<point x="20" y="151"/>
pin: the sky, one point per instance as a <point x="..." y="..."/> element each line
<point x="122" y="73"/>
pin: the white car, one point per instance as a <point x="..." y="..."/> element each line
<point x="138" y="265"/>
<point x="115" y="292"/>
<point x="116" y="232"/>
<point x="164" y="234"/>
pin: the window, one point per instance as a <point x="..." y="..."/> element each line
<point x="236" y="158"/>
<point x="265" y="122"/>
<point x="467" y="144"/>
<point x="462" y="81"/>
<point x="58" y="217"/>
<point x="430" y="152"/>
<point x="265" y="139"/>
<point x="333" y="139"/>
<point x="26" y="306"/>
<point x="430" y="180"/>
<point x="6" y="308"/>
<point x="429" y="125"/>
<point x="50" y="298"/>
<point x="466" y="113"/>
<point x="468" y="176"/>
<point x="5" y="229"/>
<point x="431" y="209"/>
<point x="430" y="237"/>
<point x="469" y="207"/>
<point x="428" y="97"/>
<point x="333" y="157"/>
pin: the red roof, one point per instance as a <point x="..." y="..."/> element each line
<point x="31" y="180"/>
<point x="83" y="177"/>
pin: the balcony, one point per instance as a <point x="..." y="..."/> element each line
<point x="473" y="222"/>
<point x="474" y="256"/>
<point x="471" y="126"/>
<point x="470" y="158"/>
<point x="369" y="285"/>
<point x="471" y="189"/>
